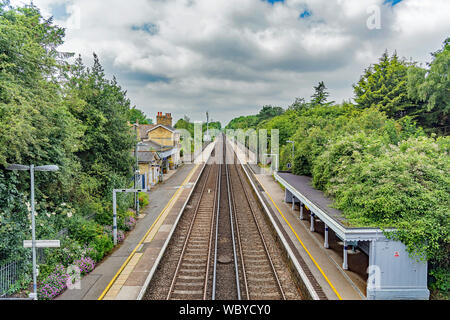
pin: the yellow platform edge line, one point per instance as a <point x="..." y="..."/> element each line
<point x="303" y="245"/>
<point x="191" y="173"/>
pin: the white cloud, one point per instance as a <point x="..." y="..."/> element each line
<point x="233" y="56"/>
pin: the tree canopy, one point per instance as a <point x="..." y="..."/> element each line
<point x="431" y="88"/>
<point x="384" y="86"/>
<point x="136" y="115"/>
<point x="53" y="111"/>
<point x="266" y="113"/>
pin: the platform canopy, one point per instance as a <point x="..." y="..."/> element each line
<point x="393" y="274"/>
<point x="299" y="187"/>
<point x="167" y="154"/>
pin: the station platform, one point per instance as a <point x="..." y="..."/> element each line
<point x="124" y="274"/>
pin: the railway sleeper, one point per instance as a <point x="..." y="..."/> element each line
<point x="192" y="272"/>
<point x="195" y="266"/>
<point x="189" y="285"/>
<point x="190" y="278"/>
<point x="188" y="293"/>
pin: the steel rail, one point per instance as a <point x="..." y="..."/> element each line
<point x="213" y="295"/>
<point x="188" y="235"/>
<point x="213" y="219"/>
<point x="236" y="267"/>
<point x="238" y="234"/>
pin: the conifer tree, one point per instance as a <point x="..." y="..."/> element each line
<point x="384" y="86"/>
<point x="320" y="96"/>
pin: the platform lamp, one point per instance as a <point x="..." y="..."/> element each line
<point x="136" y="174"/>
<point x="293" y="150"/>
<point x="32" y="169"/>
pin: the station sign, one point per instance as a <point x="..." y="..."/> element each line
<point x="42" y="244"/>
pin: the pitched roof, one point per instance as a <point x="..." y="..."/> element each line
<point x="150" y="145"/>
<point x="171" y="129"/>
<point x="146" y="156"/>
<point x="144" y="129"/>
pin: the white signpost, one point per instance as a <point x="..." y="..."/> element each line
<point x="115" y="191"/>
<point x="42" y="244"/>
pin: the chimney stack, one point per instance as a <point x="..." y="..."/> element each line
<point x="165" y="120"/>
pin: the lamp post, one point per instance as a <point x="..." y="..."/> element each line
<point x="293" y="150"/>
<point x="136" y="174"/>
<point x="32" y="169"/>
<point x="207" y="125"/>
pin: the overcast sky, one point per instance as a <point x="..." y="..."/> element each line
<point x="231" y="57"/>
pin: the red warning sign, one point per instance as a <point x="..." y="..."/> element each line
<point x="397" y="254"/>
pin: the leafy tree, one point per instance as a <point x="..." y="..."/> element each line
<point x="54" y="112"/>
<point x="268" y="112"/>
<point x="189" y="126"/>
<point x="299" y="105"/>
<point x="384" y="86"/>
<point x="243" y="122"/>
<point x="286" y="123"/>
<point x="136" y="115"/>
<point x="186" y="125"/>
<point x="105" y="109"/>
<point x="36" y="127"/>
<point x="432" y="88"/>
<point x="213" y="125"/>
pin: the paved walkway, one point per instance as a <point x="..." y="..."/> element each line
<point x="95" y="283"/>
<point x="324" y="264"/>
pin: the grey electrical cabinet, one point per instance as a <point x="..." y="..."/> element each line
<point x="394" y="275"/>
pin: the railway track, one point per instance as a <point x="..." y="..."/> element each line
<point x="190" y="280"/>
<point x="226" y="280"/>
<point x="259" y="276"/>
<point x="222" y="248"/>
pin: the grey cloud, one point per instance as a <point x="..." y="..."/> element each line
<point x="251" y="54"/>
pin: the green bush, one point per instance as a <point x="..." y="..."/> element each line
<point x="315" y="128"/>
<point x="70" y="251"/>
<point x="406" y="186"/>
<point x="105" y="217"/>
<point x="144" y="199"/>
<point x="84" y="230"/>
<point x="340" y="155"/>
<point x="320" y="127"/>
<point x="441" y="279"/>
<point x="101" y="246"/>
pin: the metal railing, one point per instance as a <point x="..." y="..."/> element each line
<point x="9" y="275"/>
